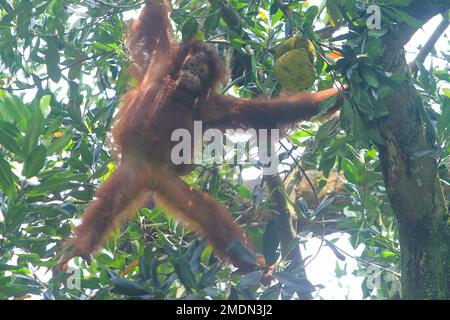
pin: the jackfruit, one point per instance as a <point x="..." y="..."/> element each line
<point x="294" y="70"/>
<point x="296" y="43"/>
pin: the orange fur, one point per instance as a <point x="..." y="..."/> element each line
<point x="116" y="199"/>
<point x="203" y="213"/>
<point x="142" y="132"/>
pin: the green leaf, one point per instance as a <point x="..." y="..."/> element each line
<point x="6" y="176"/>
<point x="446" y="92"/>
<point x="239" y="250"/>
<point x="323" y="205"/>
<point x="301" y="206"/>
<point x="350" y="170"/>
<point x="75" y="100"/>
<point x="273" y="293"/>
<point x="271" y="242"/>
<point x="17" y="290"/>
<point x="184" y="272"/>
<point x="250" y="279"/>
<point x="243" y="192"/>
<point x="100" y="172"/>
<point x="294" y="282"/>
<point x="401" y="16"/>
<point x="274" y="7"/>
<point x="232" y="18"/>
<point x="189" y="29"/>
<point x="346" y="116"/>
<point x="334" y="12"/>
<point x="34" y="162"/>
<point x="75" y="70"/>
<point x="377" y="33"/>
<point x="388" y="255"/>
<point x="375" y="135"/>
<point x="129" y="288"/>
<point x="57" y="183"/>
<point x="369" y="76"/>
<point x="208" y="277"/>
<point x="12" y="109"/>
<point x="359" y="130"/>
<point x="52" y="61"/>
<point x="9" y="141"/>
<point x="444" y="123"/>
<point x="23" y="11"/>
<point x="59" y="143"/>
<point x="33" y="133"/>
<point x="310" y="15"/>
<point x="105" y="46"/>
<point x="325" y="105"/>
<point x="213" y="18"/>
<point x="397" y="3"/>
<point x="44" y="103"/>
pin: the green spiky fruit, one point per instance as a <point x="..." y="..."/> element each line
<point x="303" y="43"/>
<point x="284" y="47"/>
<point x="296" y="43"/>
<point x="294" y="70"/>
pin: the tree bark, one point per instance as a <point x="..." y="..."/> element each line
<point x="410" y="173"/>
<point x="286" y="230"/>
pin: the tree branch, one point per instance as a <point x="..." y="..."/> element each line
<point x="429" y="45"/>
<point x="422" y="10"/>
<point x="286" y="230"/>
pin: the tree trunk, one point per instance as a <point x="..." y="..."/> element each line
<point x="410" y="173"/>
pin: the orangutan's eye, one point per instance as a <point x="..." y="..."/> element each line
<point x="203" y="69"/>
<point x="190" y="63"/>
